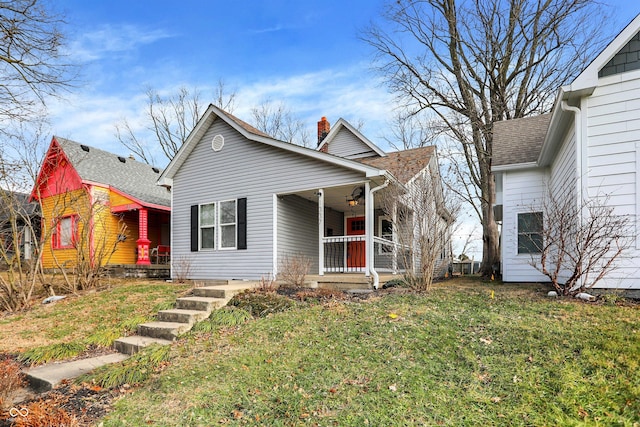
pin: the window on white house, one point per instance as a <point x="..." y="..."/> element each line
<point x="227" y="224"/>
<point x="385" y="230"/>
<point x="207" y="226"/>
<point x="530" y="232"/>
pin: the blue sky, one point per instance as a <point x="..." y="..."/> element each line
<point x="305" y="53"/>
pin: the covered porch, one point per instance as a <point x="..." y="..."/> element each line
<point x="342" y="230"/>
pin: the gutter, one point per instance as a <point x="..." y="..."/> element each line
<point x="577" y="124"/>
<point x="371" y="246"/>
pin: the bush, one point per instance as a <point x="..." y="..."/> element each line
<point x="11" y="379"/>
<point x="261" y="304"/>
<point x="46" y="413"/>
<point x="294" y="269"/>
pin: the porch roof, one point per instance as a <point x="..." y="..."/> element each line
<point x="403" y="165"/>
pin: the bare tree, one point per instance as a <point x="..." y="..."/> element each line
<point x="466" y="64"/>
<point x="20" y="228"/>
<point x="31" y="59"/>
<point x="421" y="230"/>
<point x="575" y="245"/>
<point x="279" y="122"/>
<point x="168" y="121"/>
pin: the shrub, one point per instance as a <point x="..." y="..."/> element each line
<point x="46" y="413"/>
<point x="294" y="269"/>
<point x="11" y="379"/>
<point x="260" y="304"/>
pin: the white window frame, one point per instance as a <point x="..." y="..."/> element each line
<point x="220" y="225"/>
<point x="213" y="226"/>
<point x="528" y="232"/>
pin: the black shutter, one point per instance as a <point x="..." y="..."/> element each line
<point x="194" y="228"/>
<point x="242" y="223"/>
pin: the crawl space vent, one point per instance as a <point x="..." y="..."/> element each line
<point x="217" y="143"/>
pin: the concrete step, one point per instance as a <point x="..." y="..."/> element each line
<point x="135" y="343"/>
<point x="163" y="330"/>
<point x="206" y="304"/>
<point x="180" y="315"/>
<point x="46" y="377"/>
<point x="225" y="291"/>
<point x="344" y="286"/>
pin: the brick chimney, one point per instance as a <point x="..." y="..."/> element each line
<point x="323" y="129"/>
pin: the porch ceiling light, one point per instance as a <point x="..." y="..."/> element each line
<point x="351" y="201"/>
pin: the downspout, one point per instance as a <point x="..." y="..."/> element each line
<point x="577" y="115"/>
<point x="371" y="248"/>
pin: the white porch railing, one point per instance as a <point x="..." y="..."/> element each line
<point x="346" y="254"/>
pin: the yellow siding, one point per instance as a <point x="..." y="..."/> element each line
<point x="106" y="228"/>
<point x="74" y="202"/>
<point x="118" y="200"/>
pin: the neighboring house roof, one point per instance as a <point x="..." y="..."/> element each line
<point x="255" y="135"/>
<point x="518" y="141"/>
<point x="335" y="130"/>
<point x="21" y="204"/>
<point x="403" y="165"/>
<point x="126" y="175"/>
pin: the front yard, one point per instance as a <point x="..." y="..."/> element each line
<point x="469" y="353"/>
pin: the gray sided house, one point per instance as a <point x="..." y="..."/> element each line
<point x="242" y="201"/>
<point x="587" y="148"/>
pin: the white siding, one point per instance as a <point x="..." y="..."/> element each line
<point x="248" y="169"/>
<point x="613" y="133"/>
<point x="346" y="144"/>
<point x="523" y="191"/>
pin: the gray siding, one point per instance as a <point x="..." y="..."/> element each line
<point x="627" y="59"/>
<point x="346" y="144"/>
<point x="298" y="229"/>
<point x="243" y="168"/>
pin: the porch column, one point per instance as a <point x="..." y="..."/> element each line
<point x="143" y="241"/>
<point x="368" y="229"/>
<point x="321" y="232"/>
<point x="394" y="237"/>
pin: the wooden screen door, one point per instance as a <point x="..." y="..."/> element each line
<point x="355" y="250"/>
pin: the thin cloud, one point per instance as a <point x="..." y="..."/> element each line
<point x="110" y="39"/>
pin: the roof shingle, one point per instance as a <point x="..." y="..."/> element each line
<point x="519" y="141"/>
<point x="403" y="165"/>
<point x="130" y="177"/>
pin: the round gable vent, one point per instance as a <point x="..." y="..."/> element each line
<point x="217" y="143"/>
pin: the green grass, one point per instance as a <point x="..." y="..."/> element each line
<point x="70" y="326"/>
<point x="135" y="370"/>
<point x="462" y="356"/>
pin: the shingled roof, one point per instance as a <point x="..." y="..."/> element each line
<point x="519" y="140"/>
<point x="127" y="175"/>
<point x="403" y="165"/>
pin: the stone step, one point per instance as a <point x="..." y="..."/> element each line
<point x="210" y="292"/>
<point x="163" y="330"/>
<point x="227" y="291"/>
<point x="180" y="315"/>
<point x="46" y="377"/>
<point x="134" y="343"/>
<point x="206" y="304"/>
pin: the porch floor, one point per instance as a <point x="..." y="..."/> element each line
<point x="347" y="281"/>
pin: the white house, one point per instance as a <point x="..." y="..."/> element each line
<point x="588" y="146"/>
<point x="242" y="200"/>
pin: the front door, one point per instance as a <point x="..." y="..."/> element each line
<point x="355" y="250"/>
